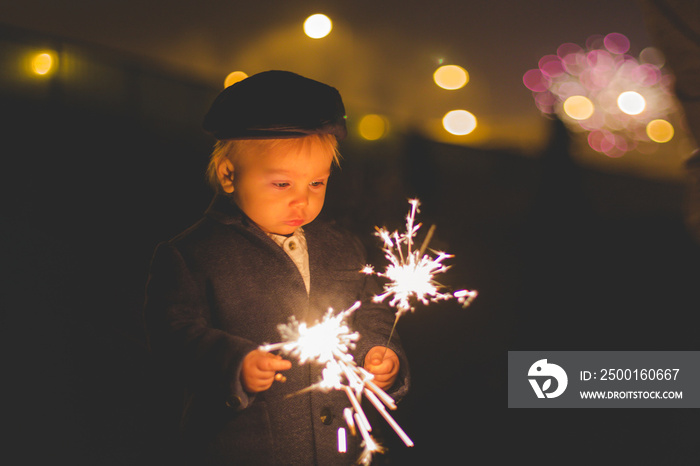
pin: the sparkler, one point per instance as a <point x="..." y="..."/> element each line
<point x="328" y="342"/>
<point x="323" y="342"/>
<point x="411" y="273"/>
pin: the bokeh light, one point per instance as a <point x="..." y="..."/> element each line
<point x="536" y="81"/>
<point x="43" y="63"/>
<point x="631" y="102"/>
<point x="373" y="127"/>
<point x="616" y="43"/>
<point x="578" y="107"/>
<point x="652" y="56"/>
<point x="603" y="90"/>
<point x="234" y="77"/>
<point x="318" y="26"/>
<point x="660" y="131"/>
<point x="459" y="122"/>
<point x="451" y="77"/>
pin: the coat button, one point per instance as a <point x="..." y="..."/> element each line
<point x="326" y="416"/>
<point x="234" y="402"/>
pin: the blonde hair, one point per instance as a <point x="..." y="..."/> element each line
<point x="234" y="148"/>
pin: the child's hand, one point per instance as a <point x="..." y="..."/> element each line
<point x="384" y="370"/>
<point x="259" y="369"/>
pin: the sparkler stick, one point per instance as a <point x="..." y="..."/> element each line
<point x="391" y="334"/>
<point x="386" y="399"/>
<point x="342" y="444"/>
<point x="427" y="239"/>
<point x="349" y="420"/>
<point x="360" y="416"/>
<point x="302" y="391"/>
<point x="369" y="441"/>
<point x="394" y="425"/>
<point x="270" y="348"/>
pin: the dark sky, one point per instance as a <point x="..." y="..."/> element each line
<point x="380" y="55"/>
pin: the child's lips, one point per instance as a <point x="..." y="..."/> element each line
<point x="295" y="222"/>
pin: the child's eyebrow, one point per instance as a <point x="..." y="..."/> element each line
<point x="275" y="171"/>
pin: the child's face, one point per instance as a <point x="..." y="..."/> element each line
<point x="281" y="191"/>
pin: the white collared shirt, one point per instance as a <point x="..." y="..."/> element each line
<point x="297" y="250"/>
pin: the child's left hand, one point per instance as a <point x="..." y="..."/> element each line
<point x="384" y="370"/>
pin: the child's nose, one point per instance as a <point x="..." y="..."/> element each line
<point x="300" y="199"/>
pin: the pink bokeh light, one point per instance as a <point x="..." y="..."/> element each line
<point x="601" y="71"/>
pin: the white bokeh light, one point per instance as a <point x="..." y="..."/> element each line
<point x="318" y="26"/>
<point x="459" y="122"/>
<point x="632" y="103"/>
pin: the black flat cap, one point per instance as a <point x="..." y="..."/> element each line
<point x="276" y="104"/>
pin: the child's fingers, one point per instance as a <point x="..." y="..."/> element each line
<point x="375" y="359"/>
<point x="375" y="356"/>
<point x="272" y="363"/>
<point x="382" y="379"/>
<point x="259" y="369"/>
<point x="381" y="360"/>
<point x="388" y="367"/>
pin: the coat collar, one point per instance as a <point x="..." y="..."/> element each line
<point x="223" y="209"/>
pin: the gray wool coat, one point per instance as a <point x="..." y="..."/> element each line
<point x="216" y="292"/>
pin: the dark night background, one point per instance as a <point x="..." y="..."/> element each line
<point x="95" y="173"/>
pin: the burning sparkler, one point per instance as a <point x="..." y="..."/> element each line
<point x="411" y="273"/>
<point x="328" y="343"/>
<point x="323" y="342"/>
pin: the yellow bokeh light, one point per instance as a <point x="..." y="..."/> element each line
<point x="234" y="77"/>
<point x="43" y="63"/>
<point x="373" y="127"/>
<point x="318" y="26"/>
<point x="451" y="77"/>
<point x="578" y="107"/>
<point x="660" y="131"/>
<point x="632" y="103"/>
<point x="459" y="122"/>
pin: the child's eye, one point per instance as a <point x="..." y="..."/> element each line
<point x="316" y="184"/>
<point x="280" y="184"/>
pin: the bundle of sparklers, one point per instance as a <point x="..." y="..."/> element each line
<point x="410" y="276"/>
<point x="328" y="343"/>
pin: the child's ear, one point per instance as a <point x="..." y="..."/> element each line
<point x="224" y="172"/>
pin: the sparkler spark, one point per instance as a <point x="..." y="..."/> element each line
<point x="320" y="342"/>
<point x="411" y="273"/>
<point x="328" y="342"/>
<point x="370" y="447"/>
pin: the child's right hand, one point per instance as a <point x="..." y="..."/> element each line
<point x="259" y="368"/>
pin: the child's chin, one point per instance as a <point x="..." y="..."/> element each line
<point x="285" y="230"/>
